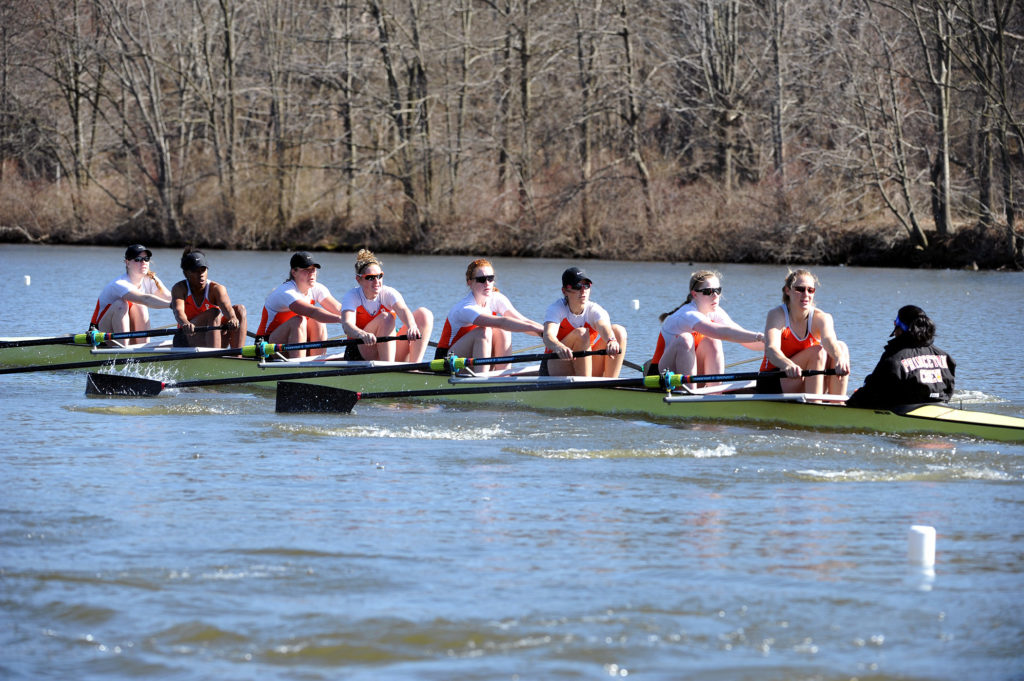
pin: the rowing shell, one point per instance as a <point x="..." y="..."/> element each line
<point x="791" y="409"/>
<point x="788" y="410"/>
<point x="181" y="365"/>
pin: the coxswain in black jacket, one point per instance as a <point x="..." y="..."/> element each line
<point x="911" y="370"/>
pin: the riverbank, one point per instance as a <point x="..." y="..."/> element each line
<point x="879" y="246"/>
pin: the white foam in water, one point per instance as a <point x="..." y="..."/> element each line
<point x="973" y="397"/>
<point x="721" y="451"/>
<point x="399" y="433"/>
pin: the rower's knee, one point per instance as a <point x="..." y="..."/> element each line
<point x="424" y="319"/>
<point x="682" y="343"/>
<point x="577" y="339"/>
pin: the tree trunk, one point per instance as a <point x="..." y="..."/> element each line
<point x="632" y="107"/>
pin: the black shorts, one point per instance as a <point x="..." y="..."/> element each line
<point x="440" y="353"/>
<point x="769" y="386"/>
<point x="352" y="353"/>
<point x="178" y="340"/>
<point x="543" y="371"/>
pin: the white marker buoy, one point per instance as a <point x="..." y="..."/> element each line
<point x="921" y="545"/>
<point x="28" y="280"/>
<point x="636" y="304"/>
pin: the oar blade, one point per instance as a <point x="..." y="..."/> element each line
<point x="295" y="397"/>
<point x="113" y="384"/>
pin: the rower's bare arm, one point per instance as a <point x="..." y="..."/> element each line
<point x="149" y="299"/>
<point x="552" y="343"/>
<point x="178" y="293"/>
<point x="612" y="344"/>
<point x="729" y="332"/>
<point x="832" y="346"/>
<point x="773" y="344"/>
<point x="412" y="330"/>
<point x="511" y="323"/>
<point x="219" y="297"/>
<point x="320" y="314"/>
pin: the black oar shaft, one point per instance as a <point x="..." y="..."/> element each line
<point x="358" y="371"/>
<point x="119" y="361"/>
<point x="540" y="356"/>
<point x="101" y="384"/>
<point x="175" y="356"/>
<point x="100" y="337"/>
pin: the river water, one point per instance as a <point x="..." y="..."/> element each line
<point x="202" y="536"/>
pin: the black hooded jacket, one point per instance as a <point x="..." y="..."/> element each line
<point x="907" y="373"/>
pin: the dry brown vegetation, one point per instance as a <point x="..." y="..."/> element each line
<point x="833" y="131"/>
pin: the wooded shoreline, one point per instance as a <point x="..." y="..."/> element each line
<point x="860" y="132"/>
<point x="975" y="248"/>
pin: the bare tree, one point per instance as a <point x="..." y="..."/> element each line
<point x="880" y="122"/>
<point x="983" y="47"/>
<point x="140" y="99"/>
<point x="632" y="115"/>
<point x="934" y="31"/>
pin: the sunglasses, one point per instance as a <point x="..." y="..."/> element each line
<point x="804" y="289"/>
<point x="710" y="291"/>
<point x="484" y="278"/>
<point x="581" y="286"/>
<point x="141" y="258"/>
<point x="373" y="277"/>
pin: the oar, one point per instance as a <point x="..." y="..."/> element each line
<point x="259" y="350"/>
<point x="134" y="386"/>
<point x="305" y="397"/>
<point x="625" y="362"/>
<point x="97" y="337"/>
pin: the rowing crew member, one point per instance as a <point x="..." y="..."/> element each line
<point x="911" y="370"/>
<point x="299" y="310"/>
<point x="481" y="324"/>
<point x="197" y="301"/>
<point x="802" y="337"/>
<point x="576" y="323"/>
<point x="691" y="335"/>
<point x="372" y="309"/>
<point x="124" y="303"/>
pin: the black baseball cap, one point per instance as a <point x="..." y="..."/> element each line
<point x="573" y="276"/>
<point x="195" y="260"/>
<point x="302" y="260"/>
<point x="135" y="250"/>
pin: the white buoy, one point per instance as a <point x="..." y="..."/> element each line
<point x="921" y="545"/>
<point x="636" y="304"/>
<point x="28" y="280"/>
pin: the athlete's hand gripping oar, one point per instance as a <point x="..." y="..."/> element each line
<point x="134" y="386"/>
<point x="258" y="351"/>
<point x="97" y="337"/>
<point x="306" y="397"/>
